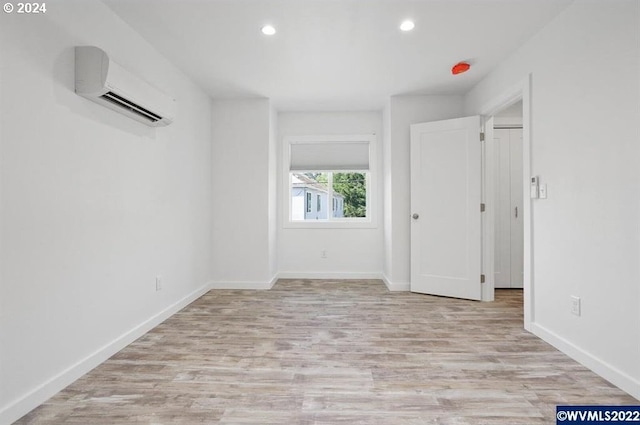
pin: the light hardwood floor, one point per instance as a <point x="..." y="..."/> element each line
<point x="332" y="352"/>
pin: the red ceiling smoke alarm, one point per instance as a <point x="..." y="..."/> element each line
<point x="460" y="67"/>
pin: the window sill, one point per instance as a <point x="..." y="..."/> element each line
<point x="364" y="224"/>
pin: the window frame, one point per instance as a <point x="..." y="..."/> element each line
<point x="371" y="219"/>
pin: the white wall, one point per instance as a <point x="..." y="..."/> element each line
<point x="354" y="252"/>
<point x="94" y="205"/>
<point x="242" y="210"/>
<point x="402" y="111"/>
<point x="511" y="116"/>
<point x="585" y="147"/>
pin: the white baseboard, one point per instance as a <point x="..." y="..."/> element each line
<point x="24" y="404"/>
<point x="329" y="275"/>
<point x="396" y="286"/>
<point x="610" y="373"/>
<point x="243" y="284"/>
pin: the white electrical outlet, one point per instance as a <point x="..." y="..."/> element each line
<point x="575" y="305"/>
<point x="158" y="283"/>
<point x="323" y="254"/>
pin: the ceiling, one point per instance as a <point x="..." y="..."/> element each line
<point x="335" y="54"/>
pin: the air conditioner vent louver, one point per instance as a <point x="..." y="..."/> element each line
<point x="130" y="106"/>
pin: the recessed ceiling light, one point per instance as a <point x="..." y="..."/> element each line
<point x="268" y="30"/>
<point x="407" y="25"/>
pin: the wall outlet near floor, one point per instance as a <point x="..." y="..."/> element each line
<point x="158" y="283"/>
<point x="323" y="253"/>
<point x="575" y="305"/>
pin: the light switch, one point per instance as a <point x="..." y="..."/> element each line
<point x="543" y="191"/>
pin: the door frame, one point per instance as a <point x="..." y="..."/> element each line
<point x="519" y="91"/>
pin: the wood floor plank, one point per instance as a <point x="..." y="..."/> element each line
<point x="320" y="352"/>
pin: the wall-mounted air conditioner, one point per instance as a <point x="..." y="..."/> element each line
<point x="101" y="80"/>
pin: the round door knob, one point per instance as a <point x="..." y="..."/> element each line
<point x="415" y="216"/>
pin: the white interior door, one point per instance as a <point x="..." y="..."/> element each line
<point x="445" y="203"/>
<point x="517" y="224"/>
<point x="509" y="232"/>
<point x="503" y="211"/>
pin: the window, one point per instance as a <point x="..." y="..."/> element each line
<point x="336" y="169"/>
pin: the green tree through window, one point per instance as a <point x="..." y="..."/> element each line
<point x="353" y="187"/>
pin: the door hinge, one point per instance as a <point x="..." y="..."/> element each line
<point x="482" y="136"/>
<point x="481" y="278"/>
<point x="482" y="207"/>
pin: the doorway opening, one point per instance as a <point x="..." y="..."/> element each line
<point x="452" y="240"/>
<point x="507" y="110"/>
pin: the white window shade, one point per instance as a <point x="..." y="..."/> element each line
<point x="327" y="156"/>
